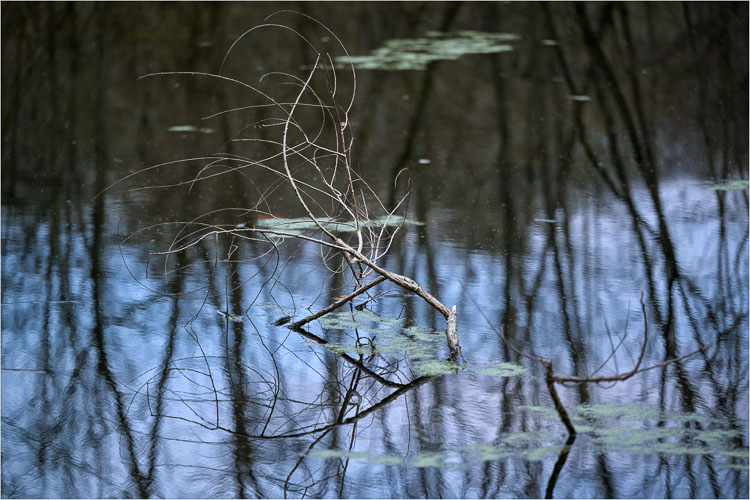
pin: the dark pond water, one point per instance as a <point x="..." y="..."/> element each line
<point x="564" y="160"/>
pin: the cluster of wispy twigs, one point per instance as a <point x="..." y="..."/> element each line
<point x="311" y="156"/>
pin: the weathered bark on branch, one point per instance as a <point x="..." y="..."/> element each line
<point x="398" y="279"/>
<point x="452" y="336"/>
<point x="411" y="285"/>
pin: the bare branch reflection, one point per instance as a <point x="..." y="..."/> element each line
<point x="560" y="180"/>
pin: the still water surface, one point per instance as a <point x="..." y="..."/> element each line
<point x="564" y="161"/>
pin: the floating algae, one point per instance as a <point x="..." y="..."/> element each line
<point x="417" y="53"/>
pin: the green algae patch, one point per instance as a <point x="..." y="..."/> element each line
<point x="617" y="411"/>
<point x="447" y="459"/>
<point x="358" y="455"/>
<point x="420" y="460"/>
<point x="530" y="446"/>
<point x="367" y="320"/>
<point x="190" y="128"/>
<point x="503" y="370"/>
<point x="717" y="435"/>
<point x="737" y="466"/>
<point x="734" y="453"/>
<point x="390" y="336"/>
<point x="435" y="368"/>
<point x="641" y="429"/>
<point x="340" y="454"/>
<point x="636" y="430"/>
<point x="421" y="333"/>
<point x="630" y="437"/>
<point x="386" y="335"/>
<point x="385" y="460"/>
<point x="730" y="185"/>
<point x="433" y="459"/>
<point x="364" y="320"/>
<point x="541" y="453"/>
<point x="695" y="417"/>
<point x="417" y="53"/>
<point x="339" y="321"/>
<point x="338" y="348"/>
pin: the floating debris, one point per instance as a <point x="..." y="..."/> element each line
<point x="282" y="321"/>
<point x="229" y="316"/>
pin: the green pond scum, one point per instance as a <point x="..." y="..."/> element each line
<point x="731" y="185"/>
<point x="386" y="335"/>
<point x="533" y="447"/>
<point x="421" y="345"/>
<point x="417" y="53"/>
<point x="640" y="429"/>
<point x="434" y="367"/>
<point x="635" y="430"/>
<point x="503" y="370"/>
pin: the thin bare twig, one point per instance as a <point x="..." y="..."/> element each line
<point x="338" y="303"/>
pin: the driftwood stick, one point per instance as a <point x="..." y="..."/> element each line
<point x="398" y="279"/>
<point x="411" y="285"/>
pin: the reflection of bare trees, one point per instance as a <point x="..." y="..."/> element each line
<point x="111" y="390"/>
<point x="629" y="147"/>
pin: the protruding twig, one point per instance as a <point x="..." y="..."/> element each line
<point x="452" y="336"/>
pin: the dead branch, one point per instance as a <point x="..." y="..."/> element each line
<point x="307" y="154"/>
